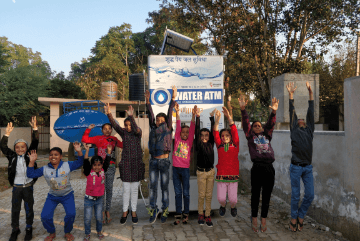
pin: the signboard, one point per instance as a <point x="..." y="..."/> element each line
<point x="198" y="79"/>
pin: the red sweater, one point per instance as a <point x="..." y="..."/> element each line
<point x="101" y="143"/>
<point x="228" y="162"/>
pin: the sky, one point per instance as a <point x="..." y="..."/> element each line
<point x="64" y="31"/>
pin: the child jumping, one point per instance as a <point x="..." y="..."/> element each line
<point x="184" y="137"/>
<point x="22" y="185"/>
<point x="132" y="168"/>
<point x="204" y="144"/>
<point x="101" y="143"/>
<point x="160" y="140"/>
<point x="57" y="176"/>
<point x="95" y="189"/>
<point x="227" y="143"/>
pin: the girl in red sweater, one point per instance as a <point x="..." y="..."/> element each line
<point x="227" y="143"/>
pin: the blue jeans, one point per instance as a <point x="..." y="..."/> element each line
<point x="47" y="214"/>
<point x="89" y="205"/>
<point x="181" y="180"/>
<point x="159" y="166"/>
<point x="297" y="172"/>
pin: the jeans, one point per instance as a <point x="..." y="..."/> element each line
<point x="19" y="194"/>
<point x="159" y="166"/>
<point x="181" y="180"/>
<point x="297" y="172"/>
<point x="89" y="205"/>
<point x="47" y="214"/>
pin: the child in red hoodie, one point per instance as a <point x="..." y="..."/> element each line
<point x="227" y="143"/>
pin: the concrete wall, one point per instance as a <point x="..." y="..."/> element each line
<point x="336" y="168"/>
<point x="17" y="133"/>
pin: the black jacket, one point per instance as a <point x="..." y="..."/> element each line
<point x="12" y="156"/>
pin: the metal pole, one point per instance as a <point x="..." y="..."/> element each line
<point x="358" y="54"/>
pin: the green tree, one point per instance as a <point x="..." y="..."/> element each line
<point x="4" y="58"/>
<point x="60" y="87"/>
<point x="19" y="91"/>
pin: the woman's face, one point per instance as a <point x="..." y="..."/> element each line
<point x="55" y="158"/>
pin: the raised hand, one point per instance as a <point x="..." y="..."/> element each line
<point x="33" y="156"/>
<point x="226" y="112"/>
<point x="174" y="89"/>
<point x="109" y="148"/>
<point x="33" y="122"/>
<point x="86" y="146"/>
<point x="308" y="86"/>
<point x="107" y="109"/>
<point x="217" y="116"/>
<point x="291" y="87"/>
<point x="77" y="146"/>
<point x="147" y="96"/>
<point x="194" y="110"/>
<point x="212" y="113"/>
<point x="9" y="128"/>
<point x="177" y="108"/>
<point x="130" y="112"/>
<point x="242" y="102"/>
<point x="91" y="126"/>
<point x="274" y="104"/>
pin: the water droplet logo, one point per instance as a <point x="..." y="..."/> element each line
<point x="160" y="97"/>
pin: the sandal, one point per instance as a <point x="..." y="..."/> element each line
<point x="51" y="237"/>
<point x="263" y="228"/>
<point x="69" y="237"/>
<point x="299" y="225"/>
<point x="177" y="219"/>
<point x="104" y="220"/>
<point x="292" y="225"/>
<point x="185" y="218"/>
<point x="100" y="235"/>
<point x="87" y="237"/>
<point x="253" y="227"/>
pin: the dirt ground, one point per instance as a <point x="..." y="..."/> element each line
<point x="4" y="183"/>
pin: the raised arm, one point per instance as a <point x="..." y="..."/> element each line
<point x="107" y="158"/>
<point x="134" y="126"/>
<point x="4" y="140"/>
<point x="149" y="108"/>
<point x="212" y="121"/>
<point x="216" y="128"/>
<point x="197" y="129"/>
<point x="244" y="116"/>
<point x="171" y="107"/>
<point x="192" y="125"/>
<point x="178" y="122"/>
<point x="310" y="119"/>
<point x="35" y="135"/>
<point x="80" y="161"/>
<point x="86" y="138"/>
<point x="269" y="126"/>
<point x="31" y="172"/>
<point x="233" y="129"/>
<point x="293" y="117"/>
<point x="115" y="125"/>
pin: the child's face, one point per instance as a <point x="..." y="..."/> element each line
<point x="20" y="148"/>
<point x="184" y="134"/>
<point x="128" y="126"/>
<point x="301" y="123"/>
<point x="55" y="157"/>
<point x="257" y="128"/>
<point x="159" y="120"/>
<point x="97" y="166"/>
<point x="107" y="130"/>
<point x="204" y="136"/>
<point x="225" y="137"/>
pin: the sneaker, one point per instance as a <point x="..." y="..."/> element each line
<point x="28" y="235"/>
<point x="135" y="220"/>
<point x="100" y="235"/>
<point x="185" y="218"/>
<point x="222" y="211"/>
<point x="177" y="219"/>
<point x="201" y="219"/>
<point x="153" y="215"/>
<point x="208" y="221"/>
<point x="233" y="212"/>
<point x="15" y="232"/>
<point x="164" y="215"/>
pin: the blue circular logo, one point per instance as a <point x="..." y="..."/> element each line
<point x="160" y="97"/>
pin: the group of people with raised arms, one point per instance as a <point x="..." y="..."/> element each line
<point x="100" y="170"/>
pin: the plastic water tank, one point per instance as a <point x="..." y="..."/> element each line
<point x="136" y="87"/>
<point x="108" y="90"/>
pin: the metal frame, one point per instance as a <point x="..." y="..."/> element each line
<point x="83" y="105"/>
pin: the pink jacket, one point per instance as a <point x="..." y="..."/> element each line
<point x="182" y="148"/>
<point x="95" y="185"/>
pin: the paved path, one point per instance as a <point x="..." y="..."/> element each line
<point x="225" y="228"/>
